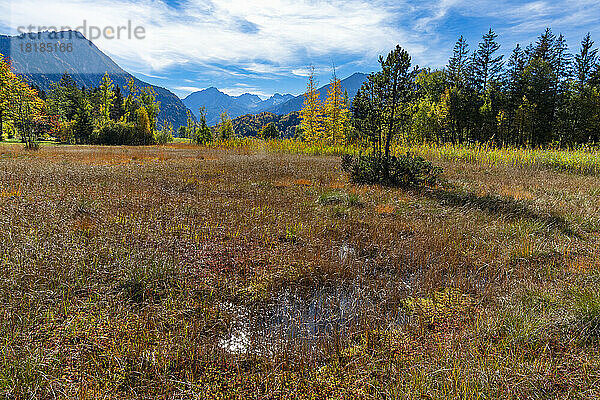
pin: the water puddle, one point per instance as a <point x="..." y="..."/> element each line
<point x="302" y="322"/>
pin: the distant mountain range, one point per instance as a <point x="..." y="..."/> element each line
<point x="215" y="102"/>
<point x="351" y="85"/>
<point x="71" y="52"/>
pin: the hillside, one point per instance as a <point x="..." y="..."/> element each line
<point x="251" y="124"/>
<point x="85" y="63"/>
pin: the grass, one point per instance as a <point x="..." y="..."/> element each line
<point x="19" y="142"/>
<point x="583" y="160"/>
<point x="256" y="270"/>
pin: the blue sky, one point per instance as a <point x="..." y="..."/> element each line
<point x="266" y="46"/>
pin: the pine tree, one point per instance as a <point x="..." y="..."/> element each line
<point x="458" y="65"/>
<point x="394" y="83"/>
<point x="486" y="66"/>
<point x="312" y="111"/>
<point x="586" y="60"/>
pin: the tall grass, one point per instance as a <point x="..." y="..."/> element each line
<point x="582" y="160"/>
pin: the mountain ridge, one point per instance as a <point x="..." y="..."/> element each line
<point x="216" y="102"/>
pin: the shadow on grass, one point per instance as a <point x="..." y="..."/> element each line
<point x="500" y="206"/>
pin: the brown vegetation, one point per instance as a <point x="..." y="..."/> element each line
<point x="184" y="272"/>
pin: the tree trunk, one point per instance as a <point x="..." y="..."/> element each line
<point x="391" y="124"/>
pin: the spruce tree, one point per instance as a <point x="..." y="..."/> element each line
<point x="487" y="67"/>
<point x="586" y="60"/>
<point x="458" y="64"/>
<point x="117" y="111"/>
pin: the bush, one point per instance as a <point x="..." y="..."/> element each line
<point x="119" y="133"/>
<point x="269" y="131"/>
<point x="405" y="170"/>
<point x="165" y="135"/>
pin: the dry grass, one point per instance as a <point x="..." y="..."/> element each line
<point x="184" y="272"/>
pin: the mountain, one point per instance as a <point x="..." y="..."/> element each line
<point x="351" y="84"/>
<point x="216" y="102"/>
<point x="71" y="52"/>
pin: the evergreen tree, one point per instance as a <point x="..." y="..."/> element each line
<point x="586" y="60"/>
<point x="269" y="131"/>
<point x="563" y="59"/>
<point x="367" y="111"/>
<point x="118" y="109"/>
<point x="395" y="83"/>
<point x="83" y="122"/>
<point x="458" y="65"/>
<point x="487" y="67"/>
<point x="545" y="48"/>
<point x="203" y="133"/>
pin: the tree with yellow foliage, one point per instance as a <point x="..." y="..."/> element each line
<point x="20" y="105"/>
<point x="335" y="111"/>
<point x="312" y="112"/>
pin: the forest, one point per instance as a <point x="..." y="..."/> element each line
<point x="542" y="95"/>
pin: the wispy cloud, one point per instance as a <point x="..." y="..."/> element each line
<point x="278" y="31"/>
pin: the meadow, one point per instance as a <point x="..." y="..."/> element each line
<point x="254" y="269"/>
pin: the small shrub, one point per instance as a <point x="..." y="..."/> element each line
<point x="165" y="135"/>
<point x="405" y="170"/>
<point x="331" y="198"/>
<point x="120" y="133"/>
<point x="587" y="314"/>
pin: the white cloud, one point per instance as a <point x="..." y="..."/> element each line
<point x="275" y="38"/>
<point x="279" y="32"/>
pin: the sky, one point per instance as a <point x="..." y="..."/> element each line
<point x="267" y="46"/>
